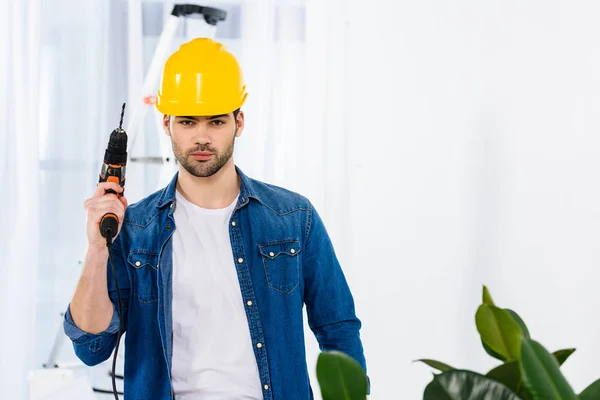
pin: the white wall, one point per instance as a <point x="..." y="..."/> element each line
<point x="473" y="158"/>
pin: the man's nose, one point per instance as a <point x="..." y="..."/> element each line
<point x="201" y="134"/>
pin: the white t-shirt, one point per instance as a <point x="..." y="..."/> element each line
<point x="213" y="357"/>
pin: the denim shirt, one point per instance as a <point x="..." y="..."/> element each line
<point x="284" y="260"/>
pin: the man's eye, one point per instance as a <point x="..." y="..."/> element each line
<point x="186" y="122"/>
<point x="217" y="122"/>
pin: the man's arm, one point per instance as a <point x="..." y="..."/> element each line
<point x="329" y="302"/>
<point x="92" y="317"/>
<point x="91" y="309"/>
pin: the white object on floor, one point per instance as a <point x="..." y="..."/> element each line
<point x="59" y="384"/>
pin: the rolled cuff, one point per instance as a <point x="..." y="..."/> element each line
<point x="79" y="336"/>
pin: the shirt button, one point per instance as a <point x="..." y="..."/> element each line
<point x="249" y="303"/>
<point x="232" y="223"/>
<point x="137" y="263"/>
<point x="292" y="251"/>
<point x="266" y="387"/>
<point x="259" y="345"/>
<point x="272" y="254"/>
<point x="240" y="260"/>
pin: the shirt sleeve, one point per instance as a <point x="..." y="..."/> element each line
<point x="329" y="302"/>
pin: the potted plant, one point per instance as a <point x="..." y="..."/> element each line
<point x="527" y="370"/>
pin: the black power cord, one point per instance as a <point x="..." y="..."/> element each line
<point x="109" y="236"/>
<point x="104" y="391"/>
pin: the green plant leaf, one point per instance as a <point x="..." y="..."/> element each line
<point x="510" y="374"/>
<point x="440" y="366"/>
<point x="519" y="322"/>
<point x="492" y="352"/>
<point x="340" y="377"/>
<point x="499" y="331"/>
<point x="466" y="385"/>
<point x="541" y="373"/>
<point x="592" y="392"/>
<point x="524" y="394"/>
<point x="487" y="297"/>
<point x="561" y="356"/>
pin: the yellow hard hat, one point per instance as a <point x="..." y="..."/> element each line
<point x="202" y="78"/>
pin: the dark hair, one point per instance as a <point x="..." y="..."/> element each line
<point x="235" y="114"/>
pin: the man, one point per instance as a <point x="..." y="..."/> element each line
<point x="213" y="270"/>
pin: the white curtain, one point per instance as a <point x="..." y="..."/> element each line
<point x="61" y="85"/>
<point x="84" y="85"/>
<point x="66" y="70"/>
<point x="19" y="118"/>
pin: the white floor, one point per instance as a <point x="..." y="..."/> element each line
<point x="72" y="383"/>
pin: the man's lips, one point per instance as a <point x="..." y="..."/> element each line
<point x="202" y="155"/>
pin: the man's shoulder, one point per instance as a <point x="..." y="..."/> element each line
<point x="278" y="198"/>
<point x="144" y="210"/>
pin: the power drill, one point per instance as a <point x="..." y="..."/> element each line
<point x="113" y="170"/>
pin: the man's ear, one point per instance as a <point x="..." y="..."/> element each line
<point x="239" y="124"/>
<point x="167" y="124"/>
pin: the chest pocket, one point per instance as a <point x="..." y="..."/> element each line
<point x="145" y="275"/>
<point x="282" y="264"/>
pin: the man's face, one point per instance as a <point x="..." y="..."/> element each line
<point x="203" y="145"/>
